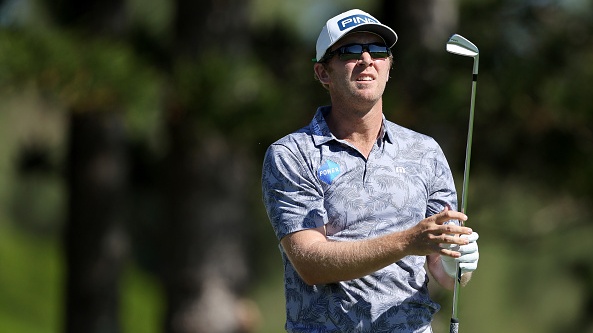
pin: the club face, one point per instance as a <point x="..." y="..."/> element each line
<point x="458" y="44"/>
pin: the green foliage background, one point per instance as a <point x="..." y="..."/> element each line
<point x="532" y="167"/>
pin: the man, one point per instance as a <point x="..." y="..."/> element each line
<point x="361" y="205"/>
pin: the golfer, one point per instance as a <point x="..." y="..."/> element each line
<point x="362" y="206"/>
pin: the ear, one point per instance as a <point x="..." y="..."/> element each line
<point x="321" y="73"/>
<point x="390" y="69"/>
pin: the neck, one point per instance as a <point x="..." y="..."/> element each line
<point x="360" y="127"/>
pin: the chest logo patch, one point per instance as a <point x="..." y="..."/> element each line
<point x="328" y="171"/>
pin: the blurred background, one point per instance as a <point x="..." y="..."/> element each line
<point x="132" y="134"/>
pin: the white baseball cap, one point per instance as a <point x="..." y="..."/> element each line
<point x="351" y="21"/>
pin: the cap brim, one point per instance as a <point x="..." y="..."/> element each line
<point x="388" y="35"/>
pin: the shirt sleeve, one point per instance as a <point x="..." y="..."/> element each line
<point x="291" y="192"/>
<point x="442" y="191"/>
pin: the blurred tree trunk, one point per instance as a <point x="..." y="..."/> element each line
<point x="205" y="254"/>
<point x="425" y="22"/>
<point x="205" y="267"/>
<point x="96" y="17"/>
<point x="95" y="242"/>
<point x="422" y="26"/>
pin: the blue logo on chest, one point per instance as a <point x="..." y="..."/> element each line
<point x="328" y="171"/>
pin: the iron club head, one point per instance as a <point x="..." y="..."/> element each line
<point x="458" y="44"/>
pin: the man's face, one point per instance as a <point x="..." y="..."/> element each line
<point x="361" y="81"/>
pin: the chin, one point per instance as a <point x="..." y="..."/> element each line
<point x="369" y="95"/>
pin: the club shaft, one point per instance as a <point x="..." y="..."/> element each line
<point x="468" y="148"/>
<point x="454" y="327"/>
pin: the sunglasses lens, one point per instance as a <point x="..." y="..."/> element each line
<point x="354" y="51"/>
<point x="378" y="51"/>
<point x="351" y="52"/>
<point x="379" y="55"/>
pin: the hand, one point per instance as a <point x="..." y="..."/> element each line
<point x="430" y="234"/>
<point x="468" y="259"/>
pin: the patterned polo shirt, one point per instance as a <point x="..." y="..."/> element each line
<point x="311" y="179"/>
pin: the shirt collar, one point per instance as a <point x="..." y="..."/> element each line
<point x="319" y="128"/>
<point x="322" y="134"/>
<point x="386" y="133"/>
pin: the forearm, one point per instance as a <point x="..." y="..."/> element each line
<point x="319" y="261"/>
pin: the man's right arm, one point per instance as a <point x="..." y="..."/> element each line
<point x="320" y="261"/>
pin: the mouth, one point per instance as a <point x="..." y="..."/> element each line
<point x="363" y="78"/>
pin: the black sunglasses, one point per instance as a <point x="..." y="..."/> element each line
<point x="355" y="51"/>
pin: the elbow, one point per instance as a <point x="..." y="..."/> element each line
<point x="312" y="274"/>
<point x="310" y="282"/>
<point x="311" y="278"/>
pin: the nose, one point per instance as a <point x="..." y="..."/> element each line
<point x="365" y="58"/>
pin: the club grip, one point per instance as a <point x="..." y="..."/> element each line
<point x="454" y="327"/>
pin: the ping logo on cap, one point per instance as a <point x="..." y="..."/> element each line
<point x="354" y="20"/>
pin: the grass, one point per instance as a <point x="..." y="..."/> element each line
<point x="32" y="291"/>
<point x="142" y="302"/>
<point x="269" y="296"/>
<point x="30" y="283"/>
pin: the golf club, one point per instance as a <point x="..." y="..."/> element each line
<point x="461" y="46"/>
